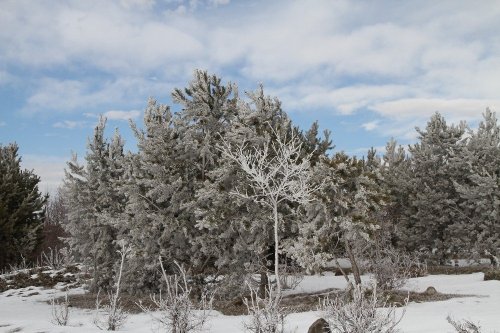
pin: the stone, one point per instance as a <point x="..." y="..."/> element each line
<point x="430" y="291"/>
<point x="319" y="326"/>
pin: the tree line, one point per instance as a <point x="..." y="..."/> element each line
<point x="184" y="197"/>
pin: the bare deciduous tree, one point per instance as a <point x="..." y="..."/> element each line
<point x="276" y="173"/>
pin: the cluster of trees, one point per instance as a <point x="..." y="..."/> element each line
<point x="174" y="197"/>
<point x="184" y="195"/>
<point x="444" y="194"/>
<point x="212" y="187"/>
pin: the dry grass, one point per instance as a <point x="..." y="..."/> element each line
<point x="397" y="298"/>
<point x="492" y="274"/>
<point x="452" y="270"/>
<point x="87" y="301"/>
<point x="24" y="279"/>
<point x="293" y="303"/>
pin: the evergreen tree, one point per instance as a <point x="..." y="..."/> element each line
<point x="433" y="202"/>
<point x="236" y="228"/>
<point x="94" y="203"/>
<point x="342" y="214"/>
<point x="479" y="229"/>
<point x="21" y="208"/>
<point x="177" y="153"/>
<point x="395" y="175"/>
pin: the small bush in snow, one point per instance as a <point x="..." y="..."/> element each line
<point x="60" y="311"/>
<point x="391" y="268"/>
<point x="114" y="314"/>
<point x="357" y="312"/>
<point x="266" y="314"/>
<point x="492" y="274"/>
<point x="55" y="258"/>
<point x="175" y="310"/>
<point x="291" y="276"/>
<point x="464" y="327"/>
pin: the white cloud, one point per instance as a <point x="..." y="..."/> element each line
<point x="69" y="124"/>
<point x="141" y="4"/>
<point x="49" y="168"/>
<point x="219" y="2"/>
<point x="425" y="107"/>
<point x="53" y="95"/>
<point x="116" y="115"/>
<point x="370" y="126"/>
<point x="364" y="150"/>
<point x="344" y="100"/>
<point x="122" y="115"/>
<point x="402" y="60"/>
<point x="3" y="123"/>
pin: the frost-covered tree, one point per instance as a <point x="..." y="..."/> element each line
<point x="177" y="154"/>
<point x="342" y="214"/>
<point x="277" y="173"/>
<point x="21" y="208"/>
<point x="152" y="190"/>
<point x="94" y="202"/>
<point x="479" y="190"/>
<point x="237" y="228"/>
<point x="394" y="169"/>
<point x="432" y="199"/>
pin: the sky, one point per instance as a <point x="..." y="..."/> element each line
<point x="366" y="70"/>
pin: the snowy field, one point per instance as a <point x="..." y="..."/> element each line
<point x="20" y="312"/>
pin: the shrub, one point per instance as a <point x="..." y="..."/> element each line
<point x="291" y="276"/>
<point x="177" y="311"/>
<point x="391" y="268"/>
<point x="115" y="315"/>
<point x="60" y="311"/>
<point x="492" y="274"/>
<point x="266" y="314"/>
<point x="465" y="326"/>
<point x="357" y="312"/>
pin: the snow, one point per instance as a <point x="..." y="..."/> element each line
<point x="482" y="308"/>
<point x="33" y="314"/>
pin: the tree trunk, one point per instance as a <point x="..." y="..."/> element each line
<point x="354" y="265"/>
<point x="276" y="248"/>
<point x="264" y="284"/>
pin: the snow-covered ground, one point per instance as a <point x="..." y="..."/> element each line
<point x="20" y="312"/>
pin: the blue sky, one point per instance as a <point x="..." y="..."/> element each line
<point x="367" y="70"/>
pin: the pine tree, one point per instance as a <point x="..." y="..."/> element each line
<point x="479" y="190"/>
<point x="94" y="202"/>
<point x="342" y="214"/>
<point x="395" y="174"/>
<point x="433" y="202"/>
<point x="237" y="229"/>
<point x="21" y="209"/>
<point x="177" y="153"/>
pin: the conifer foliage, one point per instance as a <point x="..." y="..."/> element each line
<point x="207" y="180"/>
<point x="94" y="202"/>
<point x="21" y="208"/>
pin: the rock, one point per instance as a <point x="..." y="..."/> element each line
<point x="430" y="291"/>
<point x="319" y="326"/>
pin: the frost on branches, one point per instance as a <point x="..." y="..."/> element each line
<point x="277" y="173"/>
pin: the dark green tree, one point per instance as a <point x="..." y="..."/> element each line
<point x="21" y="208"/>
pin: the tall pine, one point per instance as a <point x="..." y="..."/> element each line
<point x="21" y="209"/>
